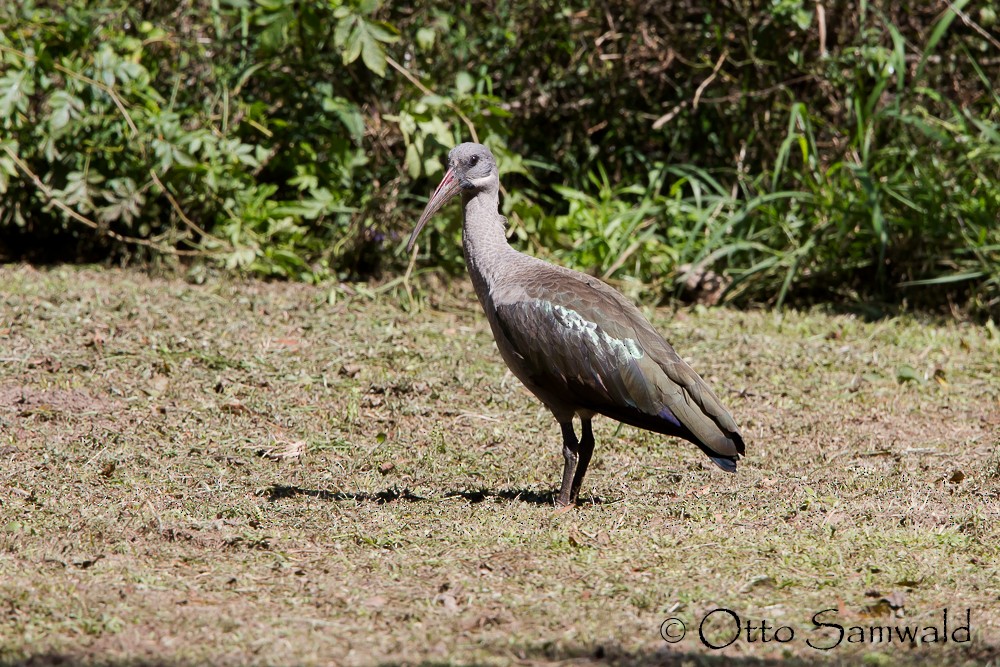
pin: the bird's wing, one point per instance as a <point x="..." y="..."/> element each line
<point x="582" y="339"/>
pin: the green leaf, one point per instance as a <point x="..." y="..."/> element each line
<point x="304" y="181"/>
<point x="353" y="46"/>
<point x="407" y="124"/>
<point x="7" y="167"/>
<point x="437" y="129"/>
<point x="343" y="30"/>
<point x="941" y="280"/>
<point x="425" y="39"/>
<point x="241" y="257"/>
<point x="125" y="201"/>
<point x="432" y="165"/>
<point x="348" y="114"/>
<point x="464" y="83"/>
<point x="359" y="37"/>
<point x="907" y="373"/>
<point x="412" y="161"/>
<point x="372" y="54"/>
<point x="382" y="32"/>
<point x="64" y="108"/>
<point x="15" y="87"/>
<point x="79" y="190"/>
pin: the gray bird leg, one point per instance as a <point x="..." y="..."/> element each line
<point x="586" y="450"/>
<point x="571" y="454"/>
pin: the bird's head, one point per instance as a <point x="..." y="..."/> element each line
<point x="471" y="169"/>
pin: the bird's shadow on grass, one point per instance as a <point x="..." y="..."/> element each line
<point x="522" y="495"/>
<point x="282" y="491"/>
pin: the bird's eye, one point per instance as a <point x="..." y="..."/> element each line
<point x="473" y="160"/>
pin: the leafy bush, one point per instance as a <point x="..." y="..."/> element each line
<point x="846" y="153"/>
<point x="220" y="137"/>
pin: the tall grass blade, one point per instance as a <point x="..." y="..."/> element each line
<point x="940" y="28"/>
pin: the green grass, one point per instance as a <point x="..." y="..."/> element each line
<point x="149" y="513"/>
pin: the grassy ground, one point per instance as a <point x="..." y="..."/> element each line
<point x="247" y="472"/>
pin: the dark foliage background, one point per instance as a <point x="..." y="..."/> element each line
<point x="834" y="150"/>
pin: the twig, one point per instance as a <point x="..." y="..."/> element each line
<point x="760" y="92"/>
<point x="62" y="206"/>
<point x="972" y="24"/>
<point x="711" y="77"/>
<point x="669" y="116"/>
<point x="180" y="212"/>
<point x="622" y="258"/>
<point x="821" y="22"/>
<point x="427" y="91"/>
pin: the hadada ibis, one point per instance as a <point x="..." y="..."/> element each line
<point x="576" y="343"/>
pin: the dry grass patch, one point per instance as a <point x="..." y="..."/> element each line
<point x="244" y="472"/>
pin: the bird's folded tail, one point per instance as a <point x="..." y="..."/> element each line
<point x="726" y="461"/>
<point x="727" y="464"/>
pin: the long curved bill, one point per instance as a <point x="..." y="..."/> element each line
<point x="446" y="189"/>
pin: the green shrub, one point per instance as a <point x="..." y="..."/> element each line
<point x="849" y="154"/>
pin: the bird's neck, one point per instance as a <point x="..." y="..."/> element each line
<point x="484" y="239"/>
